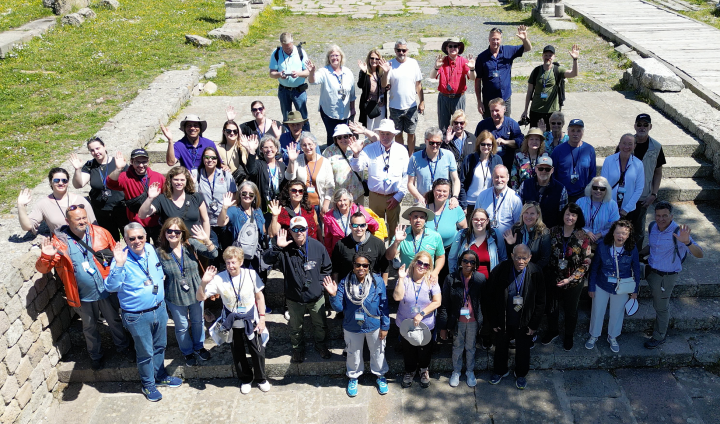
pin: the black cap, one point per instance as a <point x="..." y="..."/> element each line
<point x="549" y="48"/>
<point x="643" y="117"/>
<point x="576" y="123"/>
<point x="137" y="153"/>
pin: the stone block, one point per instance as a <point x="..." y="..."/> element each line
<point x="61" y="7"/>
<point x="197" y="40"/>
<point x="706" y="348"/>
<point x="57" y="304"/>
<point x="45" y="365"/>
<point x="46" y="340"/>
<point x="26" y="264"/>
<point x="13" y="282"/>
<point x="9" y="389"/>
<point x="109" y="4"/>
<point x="210" y="87"/>
<point x="654" y="75"/>
<point x="37" y="399"/>
<point x="4" y="298"/>
<point x="24" y="394"/>
<point x="3" y="374"/>
<point x="43" y="319"/>
<point x="27" y="316"/>
<point x="37" y="376"/>
<point x="36" y="353"/>
<point x="22" y="373"/>
<point x="11" y="413"/>
<point x="73" y="19"/>
<point x="3" y="348"/>
<point x="25" y="342"/>
<point x="13" y="309"/>
<point x="12" y="360"/>
<point x="237" y="9"/>
<point x="87" y="13"/>
<point x="52" y="379"/>
<point x="14" y="332"/>
<point x="623" y="49"/>
<point x="231" y="31"/>
<point x="54" y="356"/>
<point x="4" y="322"/>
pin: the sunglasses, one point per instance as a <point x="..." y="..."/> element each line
<point x="485" y="144"/>
<point x="256" y="109"/>
<point x="297" y="191"/>
<point x="358" y="225"/>
<point x="422" y="264"/>
<point x="140" y="163"/>
<point x="140" y="238"/>
<point x="461" y="123"/>
<point x="598" y="188"/>
<point x="60" y="180"/>
<point x="642" y="124"/>
<point x="357" y="265"/>
<point x="231" y="132"/>
<point x="556" y="124"/>
<point x="176" y="232"/>
<point x="453" y="46"/>
<point x="210" y="157"/>
<point x="401" y="50"/>
<point x="468" y="261"/>
<point x="298" y="229"/>
<point x="435" y="143"/>
<point x="343" y="137"/>
<point x="249" y="194"/>
<point x="75" y="207"/>
<point x="192" y="124"/>
<point x="543" y="169"/>
<point x="496" y="30"/>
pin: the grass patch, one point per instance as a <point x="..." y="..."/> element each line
<point x="707" y="13"/>
<point x="15" y="13"/>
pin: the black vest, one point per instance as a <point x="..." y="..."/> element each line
<point x="550" y="202"/>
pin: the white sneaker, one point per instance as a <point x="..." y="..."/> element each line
<point x="590" y="343"/>
<point x="455" y="379"/>
<point x="471" y="380"/>
<point x="614" y="346"/>
<point x="245" y="388"/>
<point x="264" y="386"/>
<point x="287" y="315"/>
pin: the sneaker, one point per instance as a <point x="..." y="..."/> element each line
<point x="549" y="337"/>
<point x="590" y="343"/>
<point x="245" y="388"/>
<point x="471" y="380"/>
<point x="352" y="388"/>
<point x="153" y="395"/>
<point x="98" y="364"/>
<point x="424" y="378"/>
<point x="382" y="385"/>
<point x="298" y="356"/>
<point x="169" y="381"/>
<point x="287" y="315"/>
<point x="455" y="379"/>
<point x="203" y="354"/>
<point x="408" y="380"/>
<point x="497" y="378"/>
<point x="190" y="360"/>
<point x="268" y="310"/>
<point x="323" y="351"/>
<point x="264" y="386"/>
<point x="521" y="383"/>
<point x="653" y="343"/>
<point x="568" y="343"/>
<point x="511" y="344"/>
<point x="614" y="346"/>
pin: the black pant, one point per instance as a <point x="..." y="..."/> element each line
<point x="257" y="354"/>
<point x="535" y="117"/>
<point x="446" y="268"/>
<point x="522" y="351"/>
<point x="416" y="356"/>
<point x="113" y="220"/>
<point x="568" y="299"/>
<point x="637" y="218"/>
<point x="153" y="234"/>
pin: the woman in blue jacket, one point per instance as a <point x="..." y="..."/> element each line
<point x="362" y="297"/>
<point x="615" y="267"/>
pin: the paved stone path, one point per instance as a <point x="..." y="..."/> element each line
<point x="687" y="395"/>
<point x="14" y="38"/>
<point x="363" y="9"/>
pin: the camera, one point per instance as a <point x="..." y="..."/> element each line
<point x="524" y="121"/>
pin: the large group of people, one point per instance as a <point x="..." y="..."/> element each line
<point x="507" y="228"/>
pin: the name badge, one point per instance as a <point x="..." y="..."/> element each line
<point x="241" y="309"/>
<point x="543" y="95"/>
<point x="562" y="263"/>
<point x="307" y="266"/>
<point x="465" y="312"/>
<point x="621" y="190"/>
<point x="415" y="310"/>
<point x="517" y="300"/>
<point x="496" y="74"/>
<point x="359" y="316"/>
<point x="86" y="266"/>
<point x="311" y="189"/>
<point x="184" y="285"/>
<point x="155" y="289"/>
<point x="574" y="178"/>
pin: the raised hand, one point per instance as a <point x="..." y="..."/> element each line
<point x="400" y="233"/>
<point x="275" y="208"/>
<point x="253" y="143"/>
<point x="330" y="286"/>
<point x="230" y="113"/>
<point x="120" y="162"/>
<point x="356" y="127"/>
<point x="275" y="129"/>
<point x="362" y="65"/>
<point x="449" y="133"/>
<point x="310" y="66"/>
<point x="471" y="65"/>
<point x="282" y="238"/>
<point x="541" y="125"/>
<point x="75" y="161"/>
<point x="522" y="32"/>
<point x="120" y="255"/>
<point x="402" y="272"/>
<point x="199" y="233"/>
<point x="356" y="146"/>
<point x="509" y="237"/>
<point x="154" y="190"/>
<point x="228" y="200"/>
<point x="47" y="247"/>
<point x="439" y="61"/>
<point x="210" y="273"/>
<point x="166" y="132"/>
<point x="575" y="52"/>
<point x="292" y="152"/>
<point x="385" y="65"/>
<point x="683" y="236"/>
<point x="24" y="198"/>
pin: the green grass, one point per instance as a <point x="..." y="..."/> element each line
<point x="15" y="13"/>
<point x="707" y="13"/>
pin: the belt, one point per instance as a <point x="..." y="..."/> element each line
<point x="144" y="311"/>
<point x="452" y="96"/>
<point x="299" y="88"/>
<point x="662" y="273"/>
<point x="384" y="195"/>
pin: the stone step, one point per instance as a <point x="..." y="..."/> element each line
<point x="688" y="189"/>
<point x="678" y="167"/>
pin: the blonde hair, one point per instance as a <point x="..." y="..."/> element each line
<point x="234" y="252"/>
<point x="540" y="227"/>
<point x="428" y="257"/>
<point x="525" y="148"/>
<point x="458" y="113"/>
<point x="486" y="135"/>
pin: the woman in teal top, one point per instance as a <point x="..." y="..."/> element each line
<point x="447" y="221"/>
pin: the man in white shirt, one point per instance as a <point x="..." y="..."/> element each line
<point x="405" y="79"/>
<point x="502" y="204"/>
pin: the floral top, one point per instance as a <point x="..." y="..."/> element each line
<point x="523" y="169"/>
<point x="343" y="174"/>
<point x="549" y="142"/>
<point x="576" y="252"/>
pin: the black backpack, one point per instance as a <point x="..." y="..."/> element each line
<point x="559" y="81"/>
<point x="300" y="50"/>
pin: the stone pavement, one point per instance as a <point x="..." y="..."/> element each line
<point x="686" y="395"/>
<point x="364" y="9"/>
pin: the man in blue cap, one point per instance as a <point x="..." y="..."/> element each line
<point x="574" y="161"/>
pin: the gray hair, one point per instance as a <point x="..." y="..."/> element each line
<point x="400" y="42"/>
<point x="558" y="115"/>
<point x="602" y="182"/>
<point x="269" y="137"/>
<point x="500" y="167"/>
<point x="133" y="226"/>
<point x="521" y="248"/>
<point x="286" y="37"/>
<point x="335" y="48"/>
<point x="307" y="134"/>
<point x="433" y="132"/>
<point x="340" y="193"/>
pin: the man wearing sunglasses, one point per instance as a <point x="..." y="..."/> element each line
<point x="575" y="161"/>
<point x="304" y="263"/>
<point x="547" y="191"/>
<point x="188" y="150"/>
<point x="452" y="71"/>
<point x="359" y="240"/>
<point x="494" y="68"/>
<point x="288" y="65"/>
<point x="431" y="164"/>
<point x="82" y="275"/>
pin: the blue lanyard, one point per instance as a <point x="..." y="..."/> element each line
<point x="415" y="246"/>
<point x="137" y="261"/>
<point x="621" y="181"/>
<point x="565" y="245"/>
<point x="304" y="254"/>
<point x="594" y="214"/>
<point x="180" y="264"/>
<point x="572" y="155"/>
<point x="417" y="292"/>
<point x="310" y="174"/>
<point x="437" y="219"/>
<point x="357" y="247"/>
<point x="212" y="188"/>
<point x="546" y="80"/>
<point x="495" y="208"/>
<point x="518" y="287"/>
<point x="194" y="154"/>
<point x="104" y="175"/>
<point x="339" y="78"/>
<point x="347" y="223"/>
<point x="430" y="162"/>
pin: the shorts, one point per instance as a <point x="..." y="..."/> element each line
<point x="405" y="120"/>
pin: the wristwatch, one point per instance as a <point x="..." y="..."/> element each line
<point x="688" y="244"/>
<point x="422" y="313"/>
<point x="654" y="194"/>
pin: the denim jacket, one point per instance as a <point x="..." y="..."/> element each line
<point x="603" y="266"/>
<point x="460" y="245"/>
<point x="376" y="304"/>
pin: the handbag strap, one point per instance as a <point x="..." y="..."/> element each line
<point x="348" y="162"/>
<point x="202" y="268"/>
<point x="82" y="243"/>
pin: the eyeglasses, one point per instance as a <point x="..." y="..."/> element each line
<point x="297" y="191"/>
<point x="435" y="143"/>
<point x="170" y="232"/>
<point x="598" y="188"/>
<point x="543" y="169"/>
<point x="468" y="262"/>
<point x="140" y="163"/>
<point x="422" y="264"/>
<point x="60" y="180"/>
<point x="555" y="124"/>
<point x="372" y="59"/>
<point x="461" y="123"/>
<point x="453" y="46"/>
<point x="480" y="220"/>
<point x="75" y="207"/>
<point x="343" y="137"/>
<point x="401" y="50"/>
<point x="257" y="109"/>
<point x="249" y="194"/>
<point x="298" y="229"/>
<point x="139" y="238"/>
<point x="357" y="265"/>
<point x="485" y="144"/>
<point x="192" y="124"/>
<point x="231" y="132"/>
<point x="210" y="157"/>
<point x="642" y="124"/>
<point x="358" y="225"/>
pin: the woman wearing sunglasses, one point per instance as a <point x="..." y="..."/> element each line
<point x="599" y="208"/>
<point x="457" y="140"/>
<point x="532" y="232"/>
<point x="555" y="135"/>
<point x="245" y="223"/>
<point x="233" y="150"/>
<point x="260" y="126"/>
<point x="344" y="147"/>
<point x="362" y="297"/>
<point x="178" y="253"/>
<point x="525" y="160"/>
<point x="268" y="173"/>
<point x="373" y="100"/>
<point x="293" y="202"/>
<point x="51" y="209"/>
<point x="418" y="298"/>
<point x="477" y="168"/>
<point x="337" y="222"/>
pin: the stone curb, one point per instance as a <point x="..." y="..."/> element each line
<point x="10" y="40"/>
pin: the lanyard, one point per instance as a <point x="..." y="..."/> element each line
<point x="194" y="155"/>
<point x="105" y="174"/>
<point x="239" y="290"/>
<point x="467" y="289"/>
<point x="545" y="80"/>
<point x="615" y="254"/>
<point x="486" y="170"/>
<point x="87" y="241"/>
<point x="273" y="177"/>
<point x="136" y="259"/>
<point x="417" y="292"/>
<point x="304" y="253"/>
<point x="430" y="162"/>
<point x="181" y="263"/>
<point x="58" y="203"/>
<point x="257" y="129"/>
<point x="212" y="187"/>
<point x="144" y="181"/>
<point x="437" y="219"/>
<point x="594" y="214"/>
<point x="339" y="78"/>
<point x="621" y="181"/>
<point x="496" y="208"/>
<point x="518" y="287"/>
<point x="572" y="155"/>
<point x="340" y="221"/>
<point x="416" y="247"/>
<point x="310" y="174"/>
<point x="386" y="159"/>
<point x="565" y="245"/>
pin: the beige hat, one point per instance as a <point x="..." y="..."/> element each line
<point x="193" y="118"/>
<point x="430" y="214"/>
<point x="294" y="117"/>
<point x="387" y="125"/>
<point x="416" y="336"/>
<point x="535" y="131"/>
<point x="454" y="40"/>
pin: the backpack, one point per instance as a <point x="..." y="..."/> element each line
<point x="300" y="50"/>
<point x="559" y="81"/>
<point x="677" y="251"/>
<point x="248" y="238"/>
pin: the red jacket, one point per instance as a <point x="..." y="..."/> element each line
<point x="101" y="239"/>
<point x="132" y="186"/>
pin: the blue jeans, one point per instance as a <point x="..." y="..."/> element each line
<point x="288" y="98"/>
<point x="149" y="331"/>
<point x="180" y="315"/>
<point x="330" y="124"/>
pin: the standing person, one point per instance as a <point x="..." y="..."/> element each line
<point x="500" y="201"/>
<point x="178" y="253"/>
<point x="106" y="204"/>
<point x="555" y="135"/>
<point x="614" y="275"/>
<point x="476" y="171"/>
<point x="304" y="263"/>
<point x="260" y="125"/>
<point x="452" y="70"/>
<point x="532" y="232"/>
<point x="421" y="239"/>
<point x="72" y="252"/>
<point x="431" y="164"/>
<point x="293" y="202"/>
<point x="188" y="150"/>
<point x="268" y="173"/>
<point x="245" y="223"/>
<point x="625" y="174"/>
<point x="233" y="155"/>
<point x="137" y="276"/>
<point x="387" y="184"/>
<point x="244" y="310"/>
<point x="294" y="123"/>
<point x="457" y="140"/>
<point x="516" y="298"/>
<point x="362" y="297"/>
<point x="337" y="90"/>
<point x="446" y="221"/>
<point x="419" y="297"/>
<point x="288" y="66"/>
<point x="668" y="246"/>
<point x="313" y="170"/>
<point x="506" y="130"/>
<point x="461" y="313"/>
<point x="373" y="99"/>
<point x="599" y="208"/>
<point x="570" y="257"/>
<point x="494" y="69"/>
<point x="650" y="152"/>
<point x="406" y="94"/>
<point x="362" y="241"/>
<point x="547" y="191"/>
<point x="135" y="182"/>
<point x="53" y="208"/>
<point x="337" y="222"/>
<point x="527" y="158"/>
<point x="574" y="161"/>
<point x="339" y="153"/>
<point x="544" y="86"/>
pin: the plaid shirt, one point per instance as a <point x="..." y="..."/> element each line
<point x="174" y="292"/>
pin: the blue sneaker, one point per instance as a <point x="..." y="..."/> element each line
<point x="382" y="385"/>
<point x="352" y="387"/>
<point x="152" y="394"/>
<point x="497" y="378"/>
<point x="521" y="383"/>
<point x="169" y="381"/>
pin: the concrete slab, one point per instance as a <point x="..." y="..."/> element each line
<point x="590" y="383"/>
<point x="601" y="411"/>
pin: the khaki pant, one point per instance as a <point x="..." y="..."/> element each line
<point x="661" y="300"/>
<point x="378" y="204"/>
<point x="297" y="312"/>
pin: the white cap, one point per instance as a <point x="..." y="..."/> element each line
<point x="298" y="221"/>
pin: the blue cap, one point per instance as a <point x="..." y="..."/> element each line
<point x="576" y="123"/>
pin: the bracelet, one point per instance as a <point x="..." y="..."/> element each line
<point x="688" y="244"/>
<point x="653" y="194"/>
<point x="262" y="315"/>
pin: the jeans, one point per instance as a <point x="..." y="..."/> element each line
<point x="330" y="124"/>
<point x="90" y="313"/>
<point x="464" y="340"/>
<point x="617" y="312"/>
<point x="446" y="107"/>
<point x="149" y="331"/>
<point x="257" y="354"/>
<point x="661" y="301"/>
<point x="288" y="98"/>
<point x="355" y="363"/>
<point x="522" y="351"/>
<point x="180" y="315"/>
<point x="297" y="311"/>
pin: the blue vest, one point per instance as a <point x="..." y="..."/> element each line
<point x="549" y="202"/>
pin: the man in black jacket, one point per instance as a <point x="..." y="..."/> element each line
<point x="516" y="301"/>
<point x="547" y="191"/>
<point x="360" y="240"/>
<point x="304" y="263"/>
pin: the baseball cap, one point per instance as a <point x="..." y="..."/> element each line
<point x="137" y="153"/>
<point x="298" y="221"/>
<point x="643" y="117"/>
<point x="576" y="123"/>
<point x="549" y="48"/>
<point x="544" y="160"/>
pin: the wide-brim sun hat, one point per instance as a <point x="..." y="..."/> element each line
<point x="535" y="131"/>
<point x="387" y="125"/>
<point x="341" y="129"/>
<point x="294" y="117"/>
<point x="416" y="336"/>
<point x="193" y="118"/>
<point x="430" y="214"/>
<point x="631" y="307"/>
<point x="454" y="40"/>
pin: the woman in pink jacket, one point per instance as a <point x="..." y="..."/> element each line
<point x="337" y="220"/>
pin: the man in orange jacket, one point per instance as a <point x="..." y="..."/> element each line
<point x="82" y="275"/>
